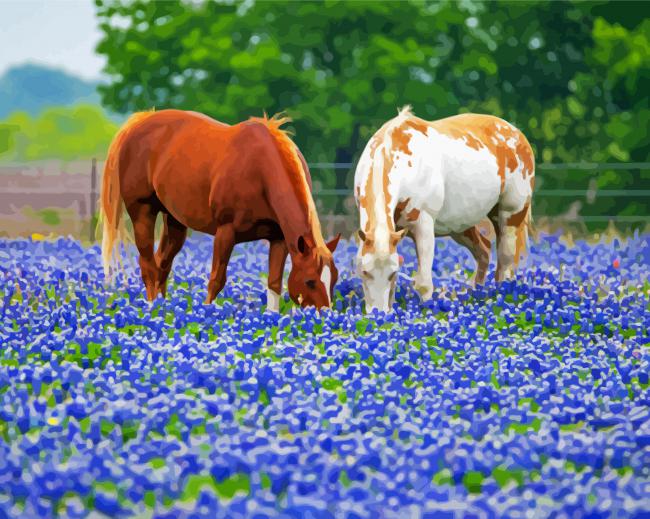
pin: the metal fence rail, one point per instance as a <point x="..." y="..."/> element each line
<point x="589" y="166"/>
<point x="616" y="193"/>
<point x="345" y="168"/>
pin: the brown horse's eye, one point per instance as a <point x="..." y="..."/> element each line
<point x="310" y="284"/>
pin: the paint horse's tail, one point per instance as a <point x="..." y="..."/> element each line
<point x="114" y="231"/>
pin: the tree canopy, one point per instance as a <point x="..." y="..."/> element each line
<point x="572" y="75"/>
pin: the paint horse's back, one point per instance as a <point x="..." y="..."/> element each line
<point x="457" y="169"/>
<point x="484" y="160"/>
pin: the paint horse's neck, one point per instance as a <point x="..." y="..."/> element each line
<point x="377" y="204"/>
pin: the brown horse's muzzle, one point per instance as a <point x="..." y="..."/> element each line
<point x="305" y="300"/>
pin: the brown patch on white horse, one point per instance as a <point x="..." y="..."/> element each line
<point x="505" y="142"/>
<point x="516" y="219"/>
<point x="399" y="209"/>
<point x="413" y="214"/>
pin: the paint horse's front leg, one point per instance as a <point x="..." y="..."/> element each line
<point x="423" y="234"/>
<point x="277" y="257"/>
<point x="224" y="241"/>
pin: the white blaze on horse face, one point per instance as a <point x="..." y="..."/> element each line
<point x="326" y="279"/>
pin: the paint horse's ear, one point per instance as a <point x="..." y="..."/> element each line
<point x="362" y="235"/>
<point x="395" y="237"/>
<point x="331" y="245"/>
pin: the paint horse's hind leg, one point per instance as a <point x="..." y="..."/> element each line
<point x="143" y="216"/>
<point x="171" y="241"/>
<point x="224" y="241"/>
<point x="509" y="227"/>
<point x="277" y="257"/>
<point x="480" y="247"/>
<point x="422" y="231"/>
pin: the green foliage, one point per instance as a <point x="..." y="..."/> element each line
<point x="50" y="216"/>
<point x="237" y="483"/>
<point x="571" y="75"/>
<point x="79" y="132"/>
<point x="473" y="481"/>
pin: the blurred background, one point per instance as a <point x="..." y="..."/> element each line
<point x="573" y="76"/>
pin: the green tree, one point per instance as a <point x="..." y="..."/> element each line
<point x="342" y="68"/>
<point x="66" y="133"/>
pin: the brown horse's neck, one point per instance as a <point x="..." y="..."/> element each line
<point x="290" y="197"/>
<point x="292" y="213"/>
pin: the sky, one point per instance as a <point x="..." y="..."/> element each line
<point x="58" y="33"/>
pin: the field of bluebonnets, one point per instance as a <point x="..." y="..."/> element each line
<point x="531" y="398"/>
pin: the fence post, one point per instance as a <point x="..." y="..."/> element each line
<point x="93" y="197"/>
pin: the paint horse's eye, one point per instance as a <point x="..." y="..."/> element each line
<point x="366" y="274"/>
<point x="392" y="276"/>
<point x="311" y="284"/>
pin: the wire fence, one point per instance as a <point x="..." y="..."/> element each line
<point x="580" y="168"/>
<point x="40" y="189"/>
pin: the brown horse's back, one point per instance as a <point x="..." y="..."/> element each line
<point x="181" y="160"/>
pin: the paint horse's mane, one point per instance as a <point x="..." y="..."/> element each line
<point x="289" y="153"/>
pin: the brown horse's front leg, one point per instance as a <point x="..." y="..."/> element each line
<point x="143" y="217"/>
<point x="277" y="257"/>
<point x="224" y="241"/>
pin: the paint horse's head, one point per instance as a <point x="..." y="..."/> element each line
<point x="377" y="265"/>
<point x="313" y="273"/>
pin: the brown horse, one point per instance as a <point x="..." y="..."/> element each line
<point x="237" y="183"/>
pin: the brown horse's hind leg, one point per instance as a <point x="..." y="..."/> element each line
<point x="171" y="241"/>
<point x="224" y="241"/>
<point x="480" y="247"/>
<point x="143" y="216"/>
<point x="277" y="257"/>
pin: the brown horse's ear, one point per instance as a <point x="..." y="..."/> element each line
<point x="331" y="245"/>
<point x="302" y="245"/>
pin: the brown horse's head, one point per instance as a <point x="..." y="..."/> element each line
<point x="313" y="273"/>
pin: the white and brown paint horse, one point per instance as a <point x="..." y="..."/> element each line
<point x="441" y="178"/>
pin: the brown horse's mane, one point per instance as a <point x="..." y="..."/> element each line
<point x="288" y="151"/>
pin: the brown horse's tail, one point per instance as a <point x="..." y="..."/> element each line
<point x="110" y="214"/>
